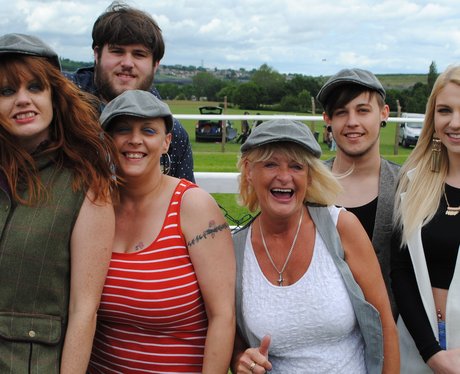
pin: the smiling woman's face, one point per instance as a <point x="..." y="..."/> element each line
<point x="280" y="184"/>
<point x="28" y="107"/>
<point x="447" y="119"/>
<point x="140" y="143"/>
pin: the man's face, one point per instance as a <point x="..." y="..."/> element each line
<point x="123" y="67"/>
<point x="356" y="126"/>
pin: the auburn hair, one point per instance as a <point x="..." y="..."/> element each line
<point x="76" y="139"/>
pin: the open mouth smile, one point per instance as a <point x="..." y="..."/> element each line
<point x="282" y="192"/>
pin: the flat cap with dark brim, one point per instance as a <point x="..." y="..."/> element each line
<point x="136" y="103"/>
<point x="355" y="76"/>
<point x="282" y="130"/>
<point x="28" y="45"/>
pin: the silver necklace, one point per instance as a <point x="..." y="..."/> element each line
<point x="280" y="272"/>
<point x="451" y="210"/>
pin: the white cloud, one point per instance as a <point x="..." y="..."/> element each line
<point x="298" y="36"/>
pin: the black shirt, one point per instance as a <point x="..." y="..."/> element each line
<point x="441" y="240"/>
<point x="366" y="215"/>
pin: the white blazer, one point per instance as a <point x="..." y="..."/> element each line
<point x="411" y="361"/>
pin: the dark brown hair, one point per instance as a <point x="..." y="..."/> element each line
<point x="76" y="138"/>
<point x="345" y="93"/>
<point x="122" y="25"/>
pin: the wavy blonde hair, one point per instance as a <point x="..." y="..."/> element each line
<point x="423" y="188"/>
<point x="323" y="187"/>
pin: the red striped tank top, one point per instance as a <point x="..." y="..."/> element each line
<point x="152" y="317"/>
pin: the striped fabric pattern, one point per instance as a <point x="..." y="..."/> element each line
<point x="152" y="317"/>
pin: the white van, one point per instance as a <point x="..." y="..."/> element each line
<point x="409" y="132"/>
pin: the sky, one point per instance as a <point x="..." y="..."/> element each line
<point x="316" y="38"/>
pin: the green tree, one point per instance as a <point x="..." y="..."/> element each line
<point x="432" y="76"/>
<point x="289" y="103"/>
<point x="416" y="99"/>
<point x="304" y="101"/>
<point x="272" y="82"/>
<point x="299" y="82"/>
<point x="229" y="90"/>
<point x="207" y="85"/>
<point x="393" y="95"/>
<point x="181" y="96"/>
<point x="169" y="91"/>
<point x="248" y="95"/>
<point x="188" y="91"/>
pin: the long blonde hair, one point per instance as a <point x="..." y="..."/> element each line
<point x="423" y="188"/>
<point x="323" y="187"/>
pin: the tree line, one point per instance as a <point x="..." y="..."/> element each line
<point x="270" y="90"/>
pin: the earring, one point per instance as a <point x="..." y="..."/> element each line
<point x="383" y="124"/>
<point x="435" y="154"/>
<point x="165" y="168"/>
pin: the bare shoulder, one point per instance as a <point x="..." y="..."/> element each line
<point x="197" y="198"/>
<point x="346" y="221"/>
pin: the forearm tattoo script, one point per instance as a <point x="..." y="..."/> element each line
<point x="209" y="232"/>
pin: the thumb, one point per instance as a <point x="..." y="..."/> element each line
<point x="264" y="345"/>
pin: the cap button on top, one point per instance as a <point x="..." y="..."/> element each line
<point x="32" y="333"/>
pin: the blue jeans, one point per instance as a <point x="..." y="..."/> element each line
<point x="442" y="334"/>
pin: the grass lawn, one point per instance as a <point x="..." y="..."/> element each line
<point x="210" y="156"/>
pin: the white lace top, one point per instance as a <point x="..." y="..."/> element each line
<point x="311" y="322"/>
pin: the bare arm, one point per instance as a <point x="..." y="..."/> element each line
<point x="445" y="362"/>
<point x="363" y="263"/>
<point x="211" y="251"/>
<point x="90" y="247"/>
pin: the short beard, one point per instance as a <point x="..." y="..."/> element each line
<point x="107" y="92"/>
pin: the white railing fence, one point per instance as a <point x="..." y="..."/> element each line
<point x="222" y="182"/>
<point x="265" y="117"/>
<point x="216" y="182"/>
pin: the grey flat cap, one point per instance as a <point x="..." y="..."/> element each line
<point x="28" y="45"/>
<point x="350" y="76"/>
<point x="282" y="130"/>
<point x="136" y="103"/>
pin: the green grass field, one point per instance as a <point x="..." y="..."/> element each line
<point x="401" y="81"/>
<point x="210" y="156"/>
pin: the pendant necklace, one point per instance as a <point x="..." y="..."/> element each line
<point x="451" y="210"/>
<point x="280" y="272"/>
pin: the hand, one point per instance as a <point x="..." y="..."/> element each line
<point x="257" y="356"/>
<point x="445" y="362"/>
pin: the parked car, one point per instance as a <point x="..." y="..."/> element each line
<point x="211" y="130"/>
<point x="409" y="132"/>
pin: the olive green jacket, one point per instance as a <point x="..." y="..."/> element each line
<point x="35" y="274"/>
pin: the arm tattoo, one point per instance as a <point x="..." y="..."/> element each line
<point x="211" y="231"/>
